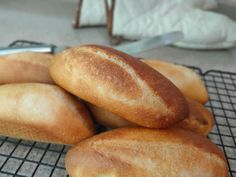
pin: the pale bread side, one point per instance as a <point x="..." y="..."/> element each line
<point x="43" y="112"/>
<point x="189" y="82"/>
<point x="25" y="67"/>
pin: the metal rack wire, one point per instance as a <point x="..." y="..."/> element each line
<point x="22" y="158"/>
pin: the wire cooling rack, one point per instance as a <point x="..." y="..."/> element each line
<point x="20" y="158"/>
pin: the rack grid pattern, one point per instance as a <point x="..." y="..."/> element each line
<point x="222" y="91"/>
<point x="26" y="158"/>
<point x="21" y="158"/>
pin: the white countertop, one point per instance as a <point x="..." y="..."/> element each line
<point x="50" y="21"/>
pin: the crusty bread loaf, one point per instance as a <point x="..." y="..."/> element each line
<point x="42" y="112"/>
<point x="108" y="119"/>
<point x="25" y="67"/>
<point x="200" y="120"/>
<point x="121" y="84"/>
<point x="189" y="83"/>
<point x="143" y="152"/>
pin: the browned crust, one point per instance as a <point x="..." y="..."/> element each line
<point x="82" y="70"/>
<point x="43" y="112"/>
<point x="141" y="152"/>
<point x="163" y="87"/>
<point x="107" y="118"/>
<point x="25" y="67"/>
<point x="200" y="120"/>
<point x="189" y="82"/>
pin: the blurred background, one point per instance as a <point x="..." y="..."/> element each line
<point x="51" y="21"/>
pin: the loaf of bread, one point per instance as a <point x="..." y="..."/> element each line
<point x="189" y="83"/>
<point x="108" y="119"/>
<point x="143" y="152"/>
<point x="43" y="112"/>
<point x="200" y="120"/>
<point x="120" y="84"/>
<point x="25" y="67"/>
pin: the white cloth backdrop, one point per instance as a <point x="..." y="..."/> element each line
<point x="136" y="19"/>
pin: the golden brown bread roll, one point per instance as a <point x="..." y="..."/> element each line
<point x="189" y="83"/>
<point x="42" y="112"/>
<point x="143" y="152"/>
<point x="25" y="67"/>
<point x="108" y="119"/>
<point x="200" y="120"/>
<point x="121" y="84"/>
